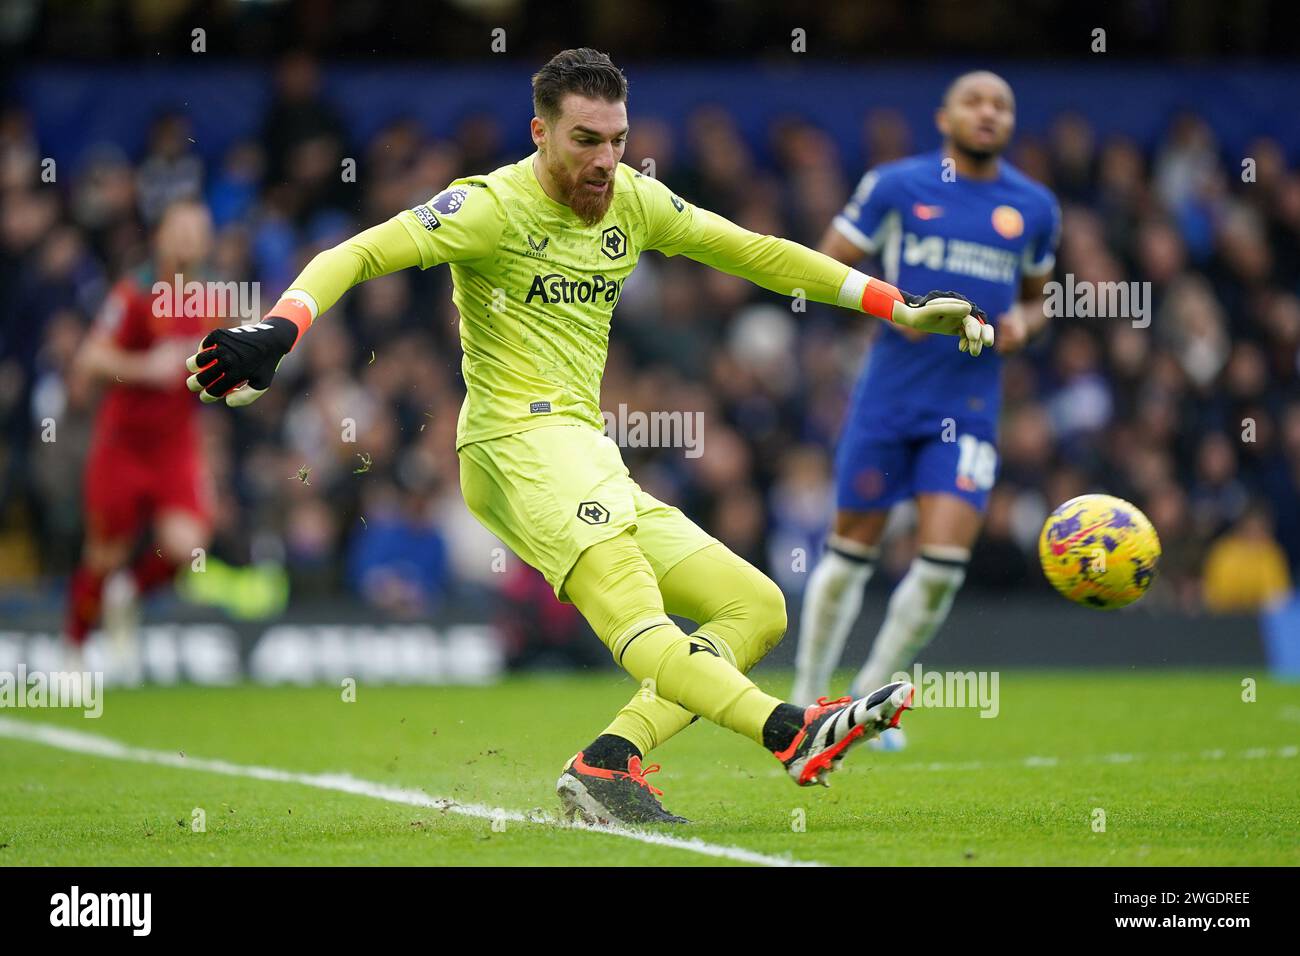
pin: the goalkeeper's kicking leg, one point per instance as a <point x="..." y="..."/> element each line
<point x="615" y="588"/>
<point x="740" y="613"/>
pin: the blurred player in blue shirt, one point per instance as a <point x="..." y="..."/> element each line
<point x="922" y="423"/>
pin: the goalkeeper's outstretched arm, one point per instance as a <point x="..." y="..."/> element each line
<point x="377" y="251"/>
<point x="238" y="364"/>
<point x="792" y="269"/>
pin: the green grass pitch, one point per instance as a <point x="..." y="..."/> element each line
<point x="1184" y="770"/>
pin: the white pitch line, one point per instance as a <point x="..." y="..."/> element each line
<point x="1254" y="753"/>
<point x="95" y="745"/>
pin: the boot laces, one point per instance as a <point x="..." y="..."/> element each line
<point x="638" y="775"/>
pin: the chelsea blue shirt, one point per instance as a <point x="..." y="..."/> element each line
<point x="931" y="229"/>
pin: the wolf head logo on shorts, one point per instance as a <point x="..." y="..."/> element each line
<point x="593" y="512"/>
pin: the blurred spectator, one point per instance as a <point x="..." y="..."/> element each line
<point x="398" y="562"/>
<point x="299" y="118"/>
<point x="540" y="632"/>
<point x="1246" y="570"/>
<point x="170" y="171"/>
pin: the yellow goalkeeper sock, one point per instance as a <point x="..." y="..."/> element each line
<point x="614" y="587"/>
<point x="738" y="609"/>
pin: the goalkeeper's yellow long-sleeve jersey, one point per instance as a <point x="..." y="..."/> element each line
<point x="536" y="288"/>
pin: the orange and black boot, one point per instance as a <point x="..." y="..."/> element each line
<point x="831" y="727"/>
<point x="597" y="796"/>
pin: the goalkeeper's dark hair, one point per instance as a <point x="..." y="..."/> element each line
<point x="584" y="71"/>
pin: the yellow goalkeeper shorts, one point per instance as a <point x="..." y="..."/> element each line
<point x="550" y="493"/>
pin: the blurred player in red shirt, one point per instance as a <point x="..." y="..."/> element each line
<point x="144" y="471"/>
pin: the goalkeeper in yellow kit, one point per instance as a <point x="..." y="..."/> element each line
<point x="539" y="251"/>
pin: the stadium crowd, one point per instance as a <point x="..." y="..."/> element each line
<point x="1195" y="417"/>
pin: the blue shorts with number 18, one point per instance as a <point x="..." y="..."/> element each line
<point x="887" y="455"/>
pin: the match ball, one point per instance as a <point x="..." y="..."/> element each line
<point x="1099" y="551"/>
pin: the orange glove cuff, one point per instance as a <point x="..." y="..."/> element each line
<point x="296" y="311"/>
<point x="878" y="299"/>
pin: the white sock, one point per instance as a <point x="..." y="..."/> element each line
<point x="918" y="606"/>
<point x="831" y="605"/>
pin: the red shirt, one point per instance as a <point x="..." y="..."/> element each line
<point x="141" y="416"/>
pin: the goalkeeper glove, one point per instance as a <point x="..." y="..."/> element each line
<point x="946" y="313"/>
<point x="238" y="364"/>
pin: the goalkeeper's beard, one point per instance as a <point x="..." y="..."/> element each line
<point x="588" y="206"/>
